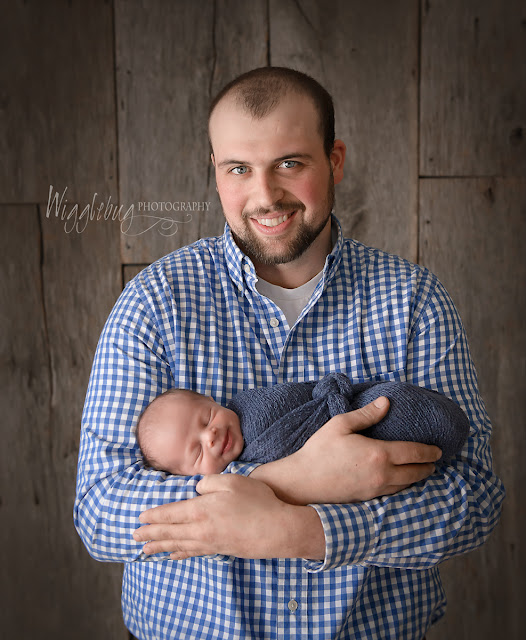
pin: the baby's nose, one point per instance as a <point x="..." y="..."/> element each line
<point x="211" y="436"/>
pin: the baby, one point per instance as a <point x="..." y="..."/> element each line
<point x="186" y="433"/>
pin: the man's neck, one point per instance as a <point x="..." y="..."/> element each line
<point x="287" y="278"/>
<point x="292" y="275"/>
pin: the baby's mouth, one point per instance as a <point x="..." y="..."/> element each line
<point x="227" y="442"/>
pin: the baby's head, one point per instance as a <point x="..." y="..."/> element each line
<point x="186" y="433"/>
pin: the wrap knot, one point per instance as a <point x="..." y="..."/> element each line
<point x="337" y="391"/>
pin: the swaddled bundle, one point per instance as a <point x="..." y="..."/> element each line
<point x="278" y="420"/>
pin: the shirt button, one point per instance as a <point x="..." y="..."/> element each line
<point x="292" y="605"/>
<point x="274" y="322"/>
<point x="246" y="268"/>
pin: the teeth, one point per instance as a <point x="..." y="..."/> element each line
<point x="273" y="222"/>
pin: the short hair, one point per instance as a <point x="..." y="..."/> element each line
<point x="145" y="425"/>
<point x="259" y="91"/>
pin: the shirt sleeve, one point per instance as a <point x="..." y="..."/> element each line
<point x="455" y="509"/>
<point x="113" y="485"/>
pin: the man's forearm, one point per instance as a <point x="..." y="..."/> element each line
<point x="284" y="478"/>
<point x="233" y="516"/>
<point x="337" y="465"/>
<point x="307" y="538"/>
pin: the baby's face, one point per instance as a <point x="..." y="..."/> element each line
<point x="195" y="435"/>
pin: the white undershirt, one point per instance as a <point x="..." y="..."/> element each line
<point x="290" y="301"/>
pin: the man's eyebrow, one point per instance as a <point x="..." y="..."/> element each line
<point x="305" y="156"/>
<point x="225" y="162"/>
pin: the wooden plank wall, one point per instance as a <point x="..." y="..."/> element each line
<point x="110" y="98"/>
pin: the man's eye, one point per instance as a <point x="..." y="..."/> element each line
<point x="239" y="171"/>
<point x="289" y="164"/>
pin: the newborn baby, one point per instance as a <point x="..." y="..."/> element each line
<point x="186" y="433"/>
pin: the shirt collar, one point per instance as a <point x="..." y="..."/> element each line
<point x="238" y="264"/>
<point x="242" y="271"/>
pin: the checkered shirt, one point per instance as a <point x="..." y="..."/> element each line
<point x="194" y="319"/>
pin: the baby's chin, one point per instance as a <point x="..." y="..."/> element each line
<point x="237" y="449"/>
<point x="231" y="457"/>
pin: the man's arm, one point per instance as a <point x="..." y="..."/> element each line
<point x="354" y="468"/>
<point x="113" y="484"/>
<point x="234" y="516"/>
<point x="451" y="512"/>
<point x="243" y="517"/>
<point x="456" y="508"/>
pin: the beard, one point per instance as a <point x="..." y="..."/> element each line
<point x="263" y="252"/>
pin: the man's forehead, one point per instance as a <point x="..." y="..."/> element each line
<point x="294" y="119"/>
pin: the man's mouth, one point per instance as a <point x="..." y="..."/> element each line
<point x="273" y="222"/>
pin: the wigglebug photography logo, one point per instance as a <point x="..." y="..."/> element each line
<point x="135" y="220"/>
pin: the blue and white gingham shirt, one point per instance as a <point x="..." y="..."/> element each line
<point x="195" y="319"/>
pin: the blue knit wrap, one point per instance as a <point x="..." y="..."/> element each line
<point x="278" y="420"/>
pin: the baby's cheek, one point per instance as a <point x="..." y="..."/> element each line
<point x="213" y="466"/>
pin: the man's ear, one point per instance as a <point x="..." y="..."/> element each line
<point x="213" y="159"/>
<point x="337" y="160"/>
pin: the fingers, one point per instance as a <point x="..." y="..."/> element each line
<point x="407" y="474"/>
<point x="218" y="482"/>
<point x="397" y="478"/>
<point x="172" y="512"/>
<point x="157" y="532"/>
<point x="405" y="464"/>
<point x="368" y="415"/>
<point x="164" y="513"/>
<point x="180" y="511"/>
<point x="408" y="453"/>
<point x="173" y="539"/>
<point x="183" y="555"/>
<point x="164" y="546"/>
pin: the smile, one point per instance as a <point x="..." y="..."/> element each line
<point x="273" y="222"/>
<point x="227" y="443"/>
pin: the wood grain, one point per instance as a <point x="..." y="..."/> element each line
<point x="79" y="77"/>
<point x="473" y="237"/>
<point x="57" y="111"/>
<point x="473" y="102"/>
<point x="171" y="59"/>
<point x="365" y="54"/>
<point x="56" y="294"/>
<point x="129" y="271"/>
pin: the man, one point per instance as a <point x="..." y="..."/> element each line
<point x="341" y="539"/>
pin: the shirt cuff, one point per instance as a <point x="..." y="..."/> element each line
<point x="241" y="468"/>
<point x="349" y="535"/>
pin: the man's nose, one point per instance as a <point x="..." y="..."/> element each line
<point x="267" y="190"/>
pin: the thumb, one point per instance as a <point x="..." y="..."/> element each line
<point x="367" y="416"/>
<point x="216" y="482"/>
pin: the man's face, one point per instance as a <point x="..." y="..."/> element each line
<point x="194" y="435"/>
<point x="275" y="181"/>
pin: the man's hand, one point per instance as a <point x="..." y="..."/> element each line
<point x="235" y="516"/>
<point x="338" y="465"/>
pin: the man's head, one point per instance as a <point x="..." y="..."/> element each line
<point x="276" y="160"/>
<point x="186" y="433"/>
<point x="259" y="91"/>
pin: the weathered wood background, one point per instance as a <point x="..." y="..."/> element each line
<point x="109" y="101"/>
